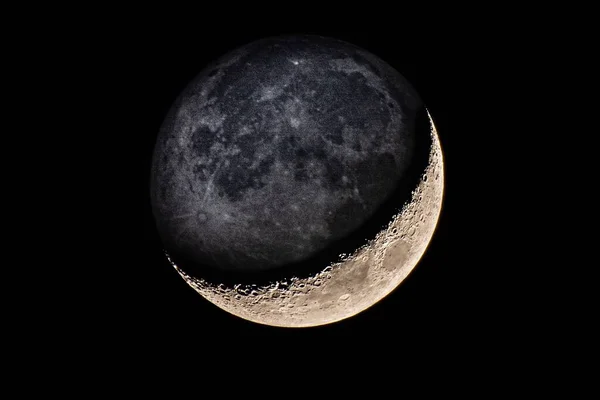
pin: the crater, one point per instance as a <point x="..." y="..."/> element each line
<point x="202" y="217"/>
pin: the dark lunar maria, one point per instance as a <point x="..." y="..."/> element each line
<point x="278" y="149"/>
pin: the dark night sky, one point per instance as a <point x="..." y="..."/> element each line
<point x="136" y="303"/>
<point x="100" y="300"/>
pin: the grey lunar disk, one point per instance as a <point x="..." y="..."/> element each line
<point x="279" y="149"/>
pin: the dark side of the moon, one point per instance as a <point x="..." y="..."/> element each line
<point x="282" y="150"/>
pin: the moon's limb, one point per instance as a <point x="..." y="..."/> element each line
<point x="352" y="285"/>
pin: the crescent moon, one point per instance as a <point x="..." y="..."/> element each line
<point x="355" y="283"/>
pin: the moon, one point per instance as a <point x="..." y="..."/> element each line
<point x="282" y="149"/>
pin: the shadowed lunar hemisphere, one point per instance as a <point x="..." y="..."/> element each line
<point x="279" y="149"/>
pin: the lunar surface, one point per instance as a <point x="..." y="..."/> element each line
<point x="281" y="150"/>
<point x="353" y="284"/>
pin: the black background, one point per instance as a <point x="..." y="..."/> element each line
<point x="133" y="303"/>
<point x="97" y="296"/>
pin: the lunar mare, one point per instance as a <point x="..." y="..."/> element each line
<point x="355" y="283"/>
